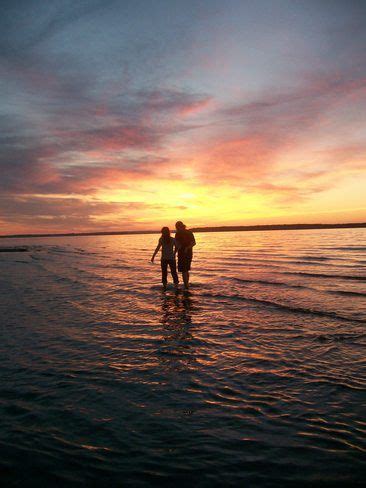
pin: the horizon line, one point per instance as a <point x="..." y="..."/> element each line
<point x="221" y="228"/>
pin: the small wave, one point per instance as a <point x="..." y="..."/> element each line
<point x="110" y="266"/>
<point x="287" y="308"/>
<point x="265" y="282"/>
<point x="62" y="250"/>
<point x="352" y="248"/>
<point x="339" y="337"/>
<point x="324" y="275"/>
<point x="346" y="292"/>
<point x="315" y="258"/>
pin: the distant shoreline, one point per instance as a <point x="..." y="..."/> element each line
<point x="225" y="228"/>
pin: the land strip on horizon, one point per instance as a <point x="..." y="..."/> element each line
<point x="224" y="228"/>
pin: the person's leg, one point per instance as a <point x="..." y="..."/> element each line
<point x="186" y="269"/>
<point x="185" y="275"/>
<point x="181" y="261"/>
<point x="173" y="270"/>
<point x="164" y="272"/>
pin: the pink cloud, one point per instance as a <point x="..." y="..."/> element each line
<point x="258" y="136"/>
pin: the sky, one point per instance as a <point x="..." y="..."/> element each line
<point x="130" y="115"/>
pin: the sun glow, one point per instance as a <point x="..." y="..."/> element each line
<point x="200" y="205"/>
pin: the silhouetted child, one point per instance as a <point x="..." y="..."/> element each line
<point x="167" y="245"/>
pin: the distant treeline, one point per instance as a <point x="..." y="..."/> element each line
<point x="231" y="228"/>
<point x="224" y="228"/>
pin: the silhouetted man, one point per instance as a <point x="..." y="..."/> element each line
<point x="184" y="241"/>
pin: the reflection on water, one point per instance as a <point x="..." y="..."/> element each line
<point x="177" y="322"/>
<point x="177" y="310"/>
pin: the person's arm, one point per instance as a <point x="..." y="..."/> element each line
<point x="178" y="244"/>
<point x="156" y="251"/>
<point x="191" y="244"/>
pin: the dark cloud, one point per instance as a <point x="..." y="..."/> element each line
<point x="31" y="22"/>
<point x="296" y="109"/>
<point x="39" y="158"/>
<point x="55" y="213"/>
<point x="171" y="101"/>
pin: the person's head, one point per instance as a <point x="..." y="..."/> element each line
<point x="165" y="233"/>
<point x="179" y="225"/>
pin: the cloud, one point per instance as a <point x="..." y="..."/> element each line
<point x="172" y="102"/>
<point x="26" y="173"/>
<point x="55" y="214"/>
<point x="23" y="170"/>
<point x="79" y="151"/>
<point x="64" y="16"/>
<point x="288" y="115"/>
<point x="275" y="138"/>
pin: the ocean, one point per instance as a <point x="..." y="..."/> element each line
<point x="255" y="377"/>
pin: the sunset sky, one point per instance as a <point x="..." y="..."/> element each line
<point x="119" y="115"/>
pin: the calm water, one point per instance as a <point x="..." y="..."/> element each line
<point x="254" y="378"/>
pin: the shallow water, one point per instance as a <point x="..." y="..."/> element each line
<point x="254" y="378"/>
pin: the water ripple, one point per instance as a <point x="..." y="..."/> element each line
<point x="253" y="378"/>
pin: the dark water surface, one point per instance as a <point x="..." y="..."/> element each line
<point x="254" y="378"/>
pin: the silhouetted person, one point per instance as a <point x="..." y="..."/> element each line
<point x="184" y="242"/>
<point x="167" y="243"/>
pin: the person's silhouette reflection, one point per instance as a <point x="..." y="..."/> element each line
<point x="177" y="314"/>
<point x="177" y="349"/>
